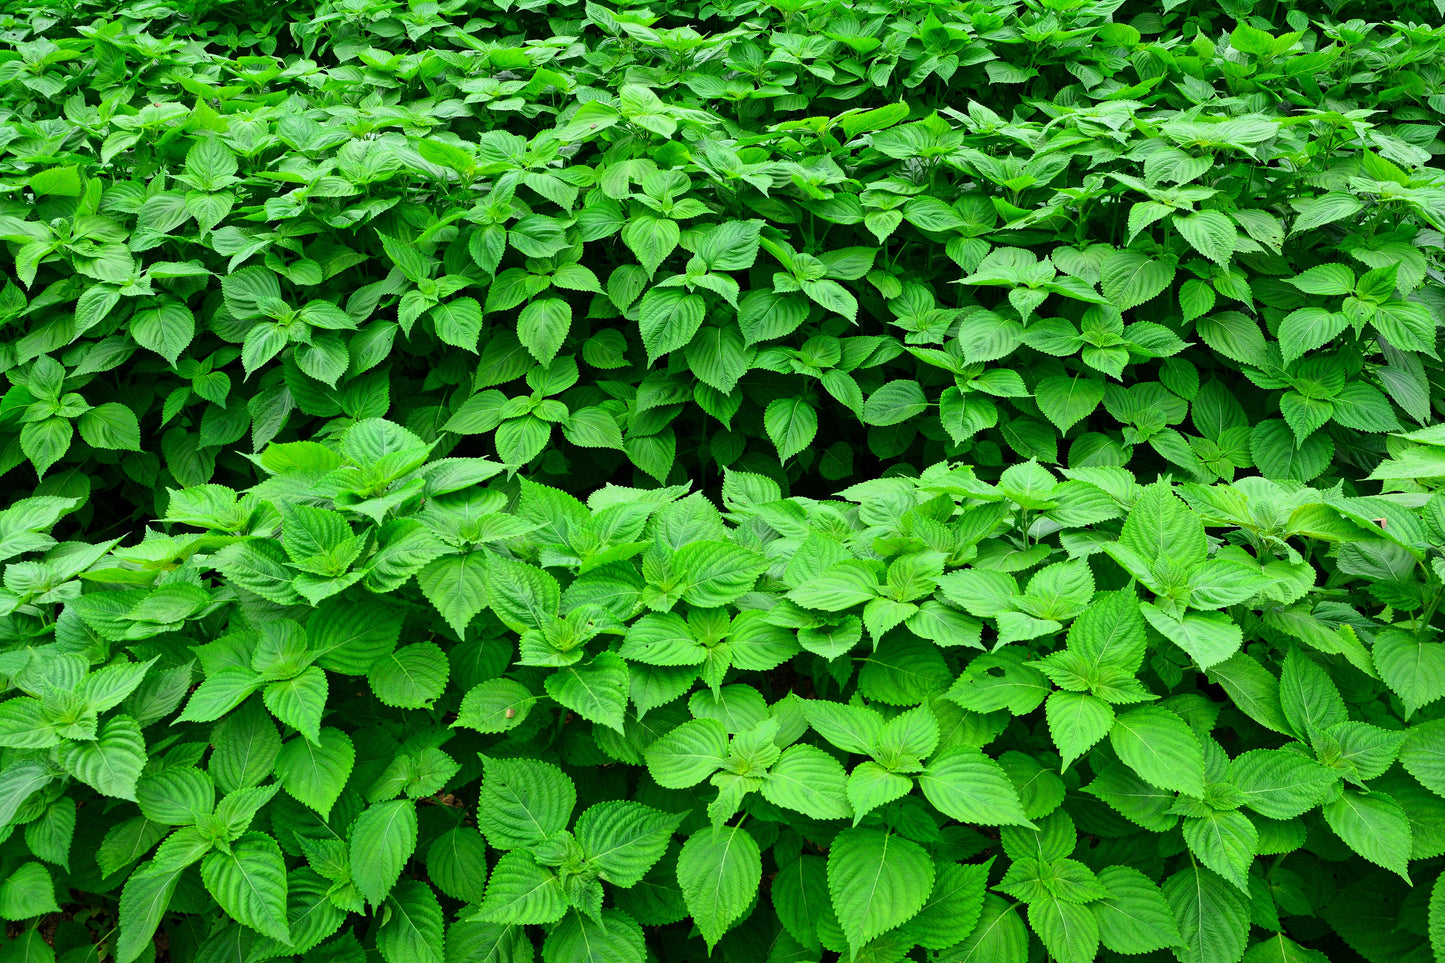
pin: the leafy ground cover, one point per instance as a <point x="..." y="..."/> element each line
<point x="793" y="481"/>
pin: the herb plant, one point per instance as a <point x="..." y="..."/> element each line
<point x="773" y="482"/>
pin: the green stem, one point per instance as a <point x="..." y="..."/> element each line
<point x="1428" y="613"/>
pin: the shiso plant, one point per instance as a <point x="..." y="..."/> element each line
<point x="768" y="481"/>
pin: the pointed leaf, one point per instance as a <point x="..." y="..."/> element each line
<point x="720" y="870"/>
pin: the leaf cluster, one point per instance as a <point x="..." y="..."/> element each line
<point x="772" y="482"/>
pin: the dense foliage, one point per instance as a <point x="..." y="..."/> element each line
<point x="770" y="481"/>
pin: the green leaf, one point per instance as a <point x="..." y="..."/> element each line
<point x="792" y="424"/>
<point x="1225" y="842"/>
<point x="1279" y="948"/>
<point x="542" y="327"/>
<point x="1208" y="637"/>
<point x="1422" y="755"/>
<point x="1373" y="825"/>
<point x="596" y="691"/>
<point x="1157" y="745"/>
<point x="903" y="671"/>
<point x="1326" y="209"/>
<point x="314" y="772"/>
<point x="870" y="786"/>
<point x="1077" y="721"/>
<point x="877" y="880"/>
<point x="669" y="318"/>
<point x="299" y="702"/>
<point x="614" y="937"/>
<point x="57" y="182"/>
<point x="932" y="214"/>
<point x="50" y="837"/>
<point x="1128" y="278"/>
<point x="662" y="639"/>
<point x="456" y="863"/>
<point x="1068" y="931"/>
<point x="1110" y="632"/>
<point x="1196" y="298"/>
<point x="764" y="315"/>
<point x="459" y="322"/>
<point x="412" y="677"/>
<point x="210" y="161"/>
<point x="952" y="909"/>
<point x="259" y="567"/>
<point x="1213" y="918"/>
<point x="719" y="357"/>
<point x="1135" y="918"/>
<point x="652" y="239"/>
<point x="28" y="947"/>
<point x="964" y="784"/>
<point x="143" y="903"/>
<point x="348" y="635"/>
<point x="537" y="235"/>
<point x="523" y="802"/>
<point x="519" y="891"/>
<point x="383" y="838"/>
<point x="731" y="246"/>
<point x="519" y="440"/>
<point x="1326" y="279"/>
<point x="1413" y="668"/>
<point x="832" y="296"/>
<point x="846" y="584"/>
<point x="457" y="586"/>
<point x="852" y="728"/>
<point x="1308" y="328"/>
<point x="576" y="277"/>
<point x="495" y="705"/>
<point x="522" y="596"/>
<point x="177" y="796"/>
<point x="1364" y="408"/>
<point x="720" y="870"/>
<point x="412" y="931"/>
<point x="1304" y="415"/>
<point x="248" y="289"/>
<point x="1276" y="454"/>
<point x="1437" y="917"/>
<point x="44" y="442"/>
<point x="167" y="328"/>
<point x="27" y="892"/>
<point x="1310" y="701"/>
<point x="511" y="287"/>
<point x="1160" y="526"/>
<point x="489" y="942"/>
<point x="999" y="937"/>
<point x="688" y="754"/>
<point x="250" y="884"/>
<point x="1364" y="751"/>
<point x="1278" y="783"/>
<point x="310" y="912"/>
<point x="810" y="781"/>
<point x="1066" y="401"/>
<point x="800" y="897"/>
<point x="111" y="764"/>
<point x="1234" y="335"/>
<point x="716" y="573"/>
<point x="624" y="839"/>
<point x="246" y="745"/>
<point x="1210" y="233"/>
<point x="1407" y="325"/>
<point x="593" y="428"/>
<point x="18" y="782"/>
<point x="894" y="403"/>
<point x="24" y="725"/>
